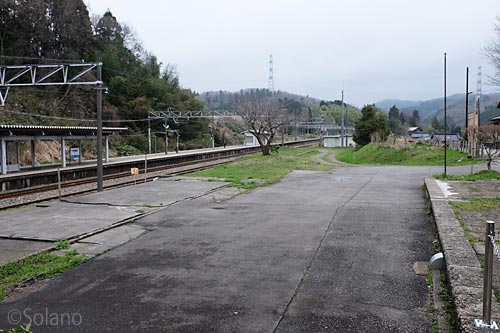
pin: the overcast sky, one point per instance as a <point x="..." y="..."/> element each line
<point x="373" y="49"/>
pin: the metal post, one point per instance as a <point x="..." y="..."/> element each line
<point x="63" y="152"/>
<point x="33" y="155"/>
<point x="213" y="130"/>
<point x="166" y="134"/>
<point x="488" y="272"/>
<point x="342" y="122"/>
<point x="145" y="167"/>
<point x="467" y="101"/>
<point x="100" y="171"/>
<point x="445" y="114"/>
<point x="149" y="134"/>
<point x="177" y="142"/>
<point x="80" y="145"/>
<point x="4" y="156"/>
<point x="106" y="149"/>
<point x="59" y="182"/>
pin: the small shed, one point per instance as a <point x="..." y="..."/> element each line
<point x="331" y="141"/>
<point x="495" y="120"/>
<point x="416" y="133"/>
<point x="449" y="137"/>
<point x="249" y="139"/>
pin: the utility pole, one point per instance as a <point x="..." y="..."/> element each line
<point x="213" y="130"/>
<point x="100" y="171"/>
<point x="342" y="136"/>
<point x="467" y="99"/>
<point x="467" y="93"/>
<point x="445" y="114"/>
<point x="149" y="133"/>
<point x="165" y="125"/>
<point x="479" y="93"/>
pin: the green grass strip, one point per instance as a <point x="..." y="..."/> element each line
<point x="257" y="170"/>
<point x="41" y="266"/>
<point x="483" y="174"/>
<point x="477" y="204"/>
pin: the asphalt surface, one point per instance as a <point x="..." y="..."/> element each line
<point x="316" y="252"/>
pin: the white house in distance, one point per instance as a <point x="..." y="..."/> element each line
<point x="249" y="139"/>
<point x="331" y="141"/>
<point x="418" y="134"/>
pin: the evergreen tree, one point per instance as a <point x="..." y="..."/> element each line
<point x="372" y="124"/>
<point x="415" y="119"/>
<point x="394" y="119"/>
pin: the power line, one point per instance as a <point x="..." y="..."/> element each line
<point x="43" y="59"/>
<point x="75" y="119"/>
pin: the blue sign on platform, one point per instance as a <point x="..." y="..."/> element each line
<point x="74" y="153"/>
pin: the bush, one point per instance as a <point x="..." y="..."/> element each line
<point x="140" y="142"/>
<point x="127" y="150"/>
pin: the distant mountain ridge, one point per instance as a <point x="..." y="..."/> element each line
<point x="455" y="107"/>
<point x="225" y="100"/>
<point x="386" y="104"/>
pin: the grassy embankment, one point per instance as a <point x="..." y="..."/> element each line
<point x="256" y="170"/>
<point x="419" y="154"/>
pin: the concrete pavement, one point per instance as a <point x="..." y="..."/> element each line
<point x="318" y="251"/>
<point x="33" y="229"/>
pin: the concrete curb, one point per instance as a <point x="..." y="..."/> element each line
<point x="463" y="267"/>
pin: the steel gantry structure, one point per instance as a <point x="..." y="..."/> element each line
<point x="60" y="74"/>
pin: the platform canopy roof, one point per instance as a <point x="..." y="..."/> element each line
<point x="36" y="130"/>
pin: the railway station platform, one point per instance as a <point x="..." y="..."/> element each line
<point x="315" y="252"/>
<point x="12" y="135"/>
<point x="30" y="230"/>
<point x="30" y="177"/>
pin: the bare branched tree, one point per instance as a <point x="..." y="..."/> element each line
<point x="492" y="52"/>
<point x="263" y="117"/>
<point x="488" y="136"/>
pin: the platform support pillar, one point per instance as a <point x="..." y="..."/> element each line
<point x="4" y="157"/>
<point x="80" y="145"/>
<point x="33" y="155"/>
<point x="63" y="152"/>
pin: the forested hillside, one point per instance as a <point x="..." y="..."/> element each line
<point x="53" y="31"/>
<point x="431" y="111"/>
<point x="224" y="100"/>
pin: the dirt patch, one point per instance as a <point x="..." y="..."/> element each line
<point x="329" y="157"/>
<point x="473" y="220"/>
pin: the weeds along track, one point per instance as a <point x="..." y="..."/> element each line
<point x="32" y="195"/>
<point x="23" y="197"/>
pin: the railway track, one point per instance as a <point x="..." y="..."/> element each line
<point x="33" y="195"/>
<point x="24" y="197"/>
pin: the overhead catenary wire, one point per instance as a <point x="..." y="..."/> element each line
<point x="43" y="59"/>
<point x="76" y="119"/>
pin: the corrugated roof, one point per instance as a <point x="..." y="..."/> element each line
<point x="63" y="128"/>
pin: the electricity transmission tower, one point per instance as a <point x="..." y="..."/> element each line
<point x="271" y="74"/>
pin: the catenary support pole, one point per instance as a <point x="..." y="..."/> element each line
<point x="445" y="139"/>
<point x="100" y="171"/>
